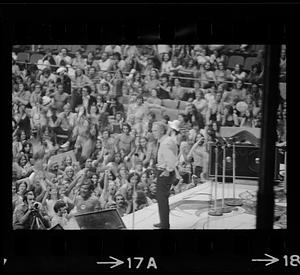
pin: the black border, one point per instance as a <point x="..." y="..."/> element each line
<point x="175" y="250"/>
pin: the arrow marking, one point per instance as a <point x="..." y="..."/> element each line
<point x="272" y="260"/>
<point x="117" y="262"/>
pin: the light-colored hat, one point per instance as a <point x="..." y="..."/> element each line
<point x="241" y="106"/>
<point x="61" y="69"/>
<point x="46" y="100"/>
<point x="175" y="124"/>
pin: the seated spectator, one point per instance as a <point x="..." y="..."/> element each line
<point x="166" y="64"/>
<point x="90" y="60"/>
<point x="177" y="92"/>
<point x="207" y="76"/>
<point x="22" y="97"/>
<point x="255" y="75"/>
<point x="237" y="73"/>
<point x="153" y="81"/>
<point x="175" y="67"/>
<point x="105" y="63"/>
<point x="80" y="80"/>
<point x="78" y="61"/>
<point x="238" y="93"/>
<point x="200" y="103"/>
<point x="60" y="98"/>
<point x="228" y="118"/>
<point x="47" y="76"/>
<point x="62" y="59"/>
<point x="164" y="87"/>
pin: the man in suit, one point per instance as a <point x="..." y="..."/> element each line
<point x="166" y="165"/>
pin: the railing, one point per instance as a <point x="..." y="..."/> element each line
<point x="127" y="73"/>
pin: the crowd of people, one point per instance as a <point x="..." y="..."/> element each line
<point x="101" y="108"/>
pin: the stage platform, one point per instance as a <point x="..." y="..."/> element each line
<point x="189" y="209"/>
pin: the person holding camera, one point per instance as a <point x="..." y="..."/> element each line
<point x="30" y="215"/>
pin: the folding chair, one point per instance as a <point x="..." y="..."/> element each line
<point x="235" y="59"/>
<point x="170" y="103"/>
<point x="35" y="57"/>
<point x="23" y="57"/>
<point x="249" y="62"/>
<point x="173" y="114"/>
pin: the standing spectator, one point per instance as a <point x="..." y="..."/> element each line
<point x="86" y="202"/>
<point x="199" y="156"/>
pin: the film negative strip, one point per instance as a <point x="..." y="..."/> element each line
<point x="109" y="243"/>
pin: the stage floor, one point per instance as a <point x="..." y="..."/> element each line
<point x="189" y="209"/>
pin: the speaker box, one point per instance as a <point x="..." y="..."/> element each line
<point x="104" y="219"/>
<point x="246" y="162"/>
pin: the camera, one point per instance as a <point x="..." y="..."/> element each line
<point x="36" y="206"/>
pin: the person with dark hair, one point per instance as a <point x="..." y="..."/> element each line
<point x="238" y="73"/>
<point x="63" y="58"/>
<point x="164" y="87"/>
<point x="114" y="106"/>
<point x="125" y="143"/>
<point x="22" y="97"/>
<point x="141" y="200"/>
<point x="254" y="75"/>
<point x="61" y="215"/>
<point x="80" y="80"/>
<point x="78" y="61"/>
<point x="121" y="204"/>
<point x="47" y="76"/>
<point x="86" y="201"/>
<point x="199" y="156"/>
<point x="60" y="98"/>
<point x="166" y="165"/>
<point x="25" y="215"/>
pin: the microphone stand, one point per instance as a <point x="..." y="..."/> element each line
<point x="234" y="201"/>
<point x="223" y="208"/>
<point x="215" y="211"/>
<point x="133" y="206"/>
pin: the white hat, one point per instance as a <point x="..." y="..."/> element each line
<point x="241" y="106"/>
<point x="61" y="69"/>
<point x="175" y="124"/>
<point x="46" y="100"/>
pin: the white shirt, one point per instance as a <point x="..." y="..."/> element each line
<point x="104" y="65"/>
<point x="167" y="153"/>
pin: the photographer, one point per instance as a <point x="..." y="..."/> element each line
<point x="29" y="214"/>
